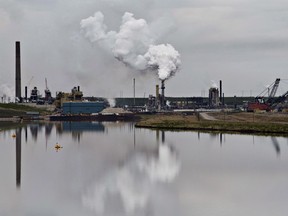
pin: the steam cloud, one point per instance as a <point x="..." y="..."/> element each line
<point x="7" y="92"/>
<point x="133" y="44"/>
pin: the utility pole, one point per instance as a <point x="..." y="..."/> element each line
<point x="134" y="91"/>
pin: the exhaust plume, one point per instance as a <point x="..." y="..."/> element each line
<point x="7" y="91"/>
<point x="134" y="44"/>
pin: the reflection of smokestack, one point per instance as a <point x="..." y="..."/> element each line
<point x="18" y="157"/>
<point x="157" y="136"/>
<point x="163" y="136"/>
<point x="163" y="93"/>
<point x="18" y="72"/>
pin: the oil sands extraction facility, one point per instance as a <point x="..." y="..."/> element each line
<point x="75" y="103"/>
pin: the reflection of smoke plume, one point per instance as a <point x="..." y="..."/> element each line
<point x="133" y="44"/>
<point x="135" y="181"/>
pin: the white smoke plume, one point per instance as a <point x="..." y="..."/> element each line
<point x="213" y="84"/>
<point x="7" y="92"/>
<point x="112" y="102"/>
<point x="134" y="44"/>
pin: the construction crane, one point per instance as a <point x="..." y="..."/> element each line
<point x="47" y="92"/>
<point x="274" y="88"/>
<point x="260" y="103"/>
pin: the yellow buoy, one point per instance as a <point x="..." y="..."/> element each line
<point x="57" y="146"/>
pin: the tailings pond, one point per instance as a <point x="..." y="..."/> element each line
<point x="115" y="169"/>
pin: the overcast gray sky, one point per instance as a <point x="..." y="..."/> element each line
<point x="242" y="42"/>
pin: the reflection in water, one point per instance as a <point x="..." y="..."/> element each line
<point x="162" y="136"/>
<point x="77" y="128"/>
<point x="276" y="145"/>
<point x="34" y="128"/>
<point x="18" y="157"/>
<point x="213" y="136"/>
<point x="108" y="178"/>
<point x="134" y="182"/>
<point x="83" y="126"/>
<point x="48" y="129"/>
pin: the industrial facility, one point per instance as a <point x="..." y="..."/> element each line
<point x="74" y="102"/>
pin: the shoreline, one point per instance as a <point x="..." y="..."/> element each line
<point x="195" y="123"/>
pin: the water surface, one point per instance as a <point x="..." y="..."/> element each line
<point x="115" y="169"/>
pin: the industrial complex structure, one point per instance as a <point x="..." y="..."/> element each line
<point x="75" y="102"/>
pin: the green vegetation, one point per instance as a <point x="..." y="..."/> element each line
<point x="191" y="122"/>
<point x="12" y="109"/>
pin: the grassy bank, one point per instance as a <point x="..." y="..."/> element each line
<point x="12" y="109"/>
<point x="249" y="124"/>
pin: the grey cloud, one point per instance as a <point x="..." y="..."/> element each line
<point x="217" y="39"/>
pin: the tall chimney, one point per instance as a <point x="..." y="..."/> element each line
<point x="220" y="91"/>
<point x="157" y="92"/>
<point x="162" y="93"/>
<point x="18" y="72"/>
<point x="26" y="90"/>
<point x="134" y="91"/>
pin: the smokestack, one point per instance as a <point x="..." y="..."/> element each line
<point x="18" y="72"/>
<point x="26" y="93"/>
<point x="78" y="88"/>
<point x="163" y="93"/>
<point x="157" y="92"/>
<point x="220" y="91"/>
<point x="134" y="90"/>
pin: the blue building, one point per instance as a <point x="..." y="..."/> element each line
<point x="83" y="107"/>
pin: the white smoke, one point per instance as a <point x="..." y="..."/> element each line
<point x="7" y="92"/>
<point x="133" y="44"/>
<point x="135" y="181"/>
<point x="213" y="84"/>
<point x="112" y="102"/>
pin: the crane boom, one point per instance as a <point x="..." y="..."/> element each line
<point x="274" y="88"/>
<point x="46" y="84"/>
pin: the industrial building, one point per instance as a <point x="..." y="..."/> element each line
<point x="73" y="102"/>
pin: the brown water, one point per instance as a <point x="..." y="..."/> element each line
<point x="115" y="169"/>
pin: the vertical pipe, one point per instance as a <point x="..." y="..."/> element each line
<point x="26" y="93"/>
<point x="157" y="91"/>
<point x="157" y="102"/>
<point x="221" y="91"/>
<point x="18" y="72"/>
<point x="134" y="91"/>
<point x="163" y="93"/>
